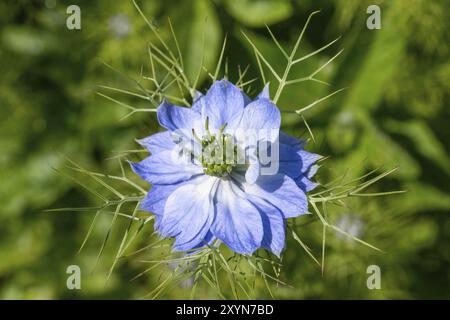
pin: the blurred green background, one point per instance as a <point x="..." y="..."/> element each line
<point x="394" y="113"/>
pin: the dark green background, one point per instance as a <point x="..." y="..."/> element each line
<point x="394" y="113"/>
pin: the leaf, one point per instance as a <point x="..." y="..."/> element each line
<point x="386" y="51"/>
<point x="28" y="41"/>
<point x="259" y="13"/>
<point x="420" y="197"/>
<point x="424" y="139"/>
<point x="203" y="41"/>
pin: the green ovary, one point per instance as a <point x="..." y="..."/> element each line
<point x="215" y="158"/>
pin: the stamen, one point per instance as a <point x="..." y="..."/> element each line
<point x="196" y="137"/>
<point x="219" y="155"/>
<point x="215" y="148"/>
<point x="222" y="128"/>
<point x="207" y="126"/>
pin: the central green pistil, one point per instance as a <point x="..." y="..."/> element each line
<point x="215" y="159"/>
<point x="219" y="153"/>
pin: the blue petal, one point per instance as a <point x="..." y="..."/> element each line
<point x="305" y="184"/>
<point x="312" y="171"/>
<point x="273" y="224"/>
<point x="156" y="198"/>
<point x="165" y="168"/>
<point x="265" y="93"/>
<point x="158" y="142"/>
<point x="304" y="181"/>
<point x="222" y="104"/>
<point x="261" y="114"/>
<point x="290" y="161"/>
<point x="294" y="161"/>
<point x="291" y="141"/>
<point x="176" y="118"/>
<point x="280" y="191"/>
<point x="196" y="104"/>
<point x="247" y="99"/>
<point x="208" y="240"/>
<point x="292" y="165"/>
<point x="197" y="95"/>
<point x="308" y="159"/>
<point x="253" y="171"/>
<point x="188" y="213"/>
<point x="238" y="222"/>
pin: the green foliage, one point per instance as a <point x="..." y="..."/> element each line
<point x="262" y="12"/>
<point x="393" y="114"/>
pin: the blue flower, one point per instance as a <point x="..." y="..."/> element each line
<point x="198" y="198"/>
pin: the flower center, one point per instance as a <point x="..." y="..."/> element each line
<point x="219" y="153"/>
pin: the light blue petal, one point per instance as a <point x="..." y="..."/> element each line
<point x="273" y="224"/>
<point x="222" y="104"/>
<point x="297" y="145"/>
<point x="189" y="212"/>
<point x="176" y="118"/>
<point x="306" y="184"/>
<point x="196" y="104"/>
<point x="208" y="240"/>
<point x="261" y="114"/>
<point x="237" y="222"/>
<point x="253" y="171"/>
<point x="299" y="165"/>
<point x="156" y="198"/>
<point x="265" y="93"/>
<point x="312" y="171"/>
<point x="290" y="161"/>
<point x="294" y="161"/>
<point x="197" y="95"/>
<point x="291" y="141"/>
<point x="158" y="142"/>
<point x="308" y="159"/>
<point x="280" y="191"/>
<point x="165" y="168"/>
<point x="247" y="99"/>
